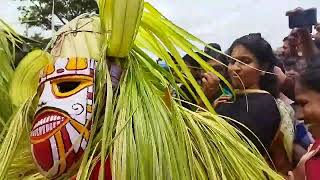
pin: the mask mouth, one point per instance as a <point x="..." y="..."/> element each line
<point x="47" y="122"/>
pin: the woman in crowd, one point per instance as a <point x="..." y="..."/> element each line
<point x="307" y="92"/>
<point x="255" y="105"/>
<point x="219" y="63"/>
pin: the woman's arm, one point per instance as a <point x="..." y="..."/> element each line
<point x="302" y="39"/>
<point x="210" y="86"/>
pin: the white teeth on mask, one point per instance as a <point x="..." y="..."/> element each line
<point x="42" y="130"/>
<point x="36" y="125"/>
<point x="50" y="126"/>
<point x="43" y="121"/>
<point x="46" y="125"/>
<point x="47" y="119"/>
<point x="47" y="128"/>
<point x="54" y="124"/>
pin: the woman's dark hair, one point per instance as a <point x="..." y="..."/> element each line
<point x="192" y="62"/>
<point x="310" y="78"/>
<point x="211" y="52"/>
<point x="223" y="59"/>
<point x="214" y="45"/>
<point x="265" y="57"/>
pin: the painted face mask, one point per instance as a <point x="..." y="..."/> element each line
<point x="61" y="126"/>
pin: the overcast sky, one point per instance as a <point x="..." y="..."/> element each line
<point x="212" y="20"/>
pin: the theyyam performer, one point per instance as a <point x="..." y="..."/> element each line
<point x="96" y="106"/>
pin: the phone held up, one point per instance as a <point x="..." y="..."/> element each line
<point x="303" y="19"/>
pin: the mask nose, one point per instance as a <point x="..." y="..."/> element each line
<point x="41" y="104"/>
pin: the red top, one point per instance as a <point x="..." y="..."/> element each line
<point x="313" y="165"/>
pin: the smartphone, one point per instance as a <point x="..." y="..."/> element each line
<point x="303" y="19"/>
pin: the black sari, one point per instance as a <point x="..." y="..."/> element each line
<point x="262" y="118"/>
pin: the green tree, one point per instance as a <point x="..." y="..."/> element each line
<point x="38" y="13"/>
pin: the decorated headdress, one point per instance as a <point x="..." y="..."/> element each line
<point x="75" y="115"/>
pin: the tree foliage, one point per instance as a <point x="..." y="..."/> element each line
<point x="38" y="13"/>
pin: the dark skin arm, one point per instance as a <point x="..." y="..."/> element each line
<point x="303" y="39"/>
<point x="210" y="86"/>
<point x="300" y="37"/>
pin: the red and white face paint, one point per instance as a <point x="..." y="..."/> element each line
<point x="61" y="126"/>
